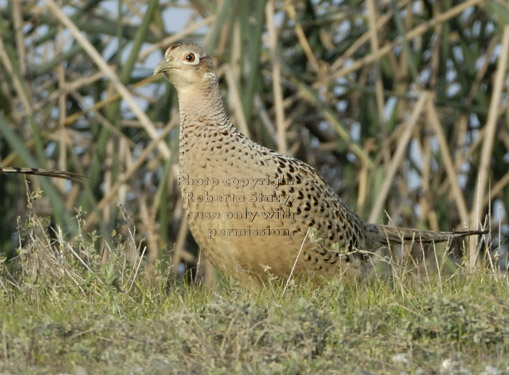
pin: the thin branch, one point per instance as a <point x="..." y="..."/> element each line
<point x="449" y="165"/>
<point x="276" y="77"/>
<point x="398" y="157"/>
<point x="108" y="72"/>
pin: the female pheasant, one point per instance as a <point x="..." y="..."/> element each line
<point x="255" y="212"/>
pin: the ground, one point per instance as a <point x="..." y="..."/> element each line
<point x="458" y="326"/>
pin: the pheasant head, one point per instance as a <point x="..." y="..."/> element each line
<point x="187" y="66"/>
<point x="191" y="71"/>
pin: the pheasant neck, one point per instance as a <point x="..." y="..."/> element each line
<point x="201" y="105"/>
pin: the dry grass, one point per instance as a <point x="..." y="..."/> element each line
<point x="66" y="309"/>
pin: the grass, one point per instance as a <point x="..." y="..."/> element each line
<point x="67" y="309"/>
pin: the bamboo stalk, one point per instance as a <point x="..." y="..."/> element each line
<point x="301" y="36"/>
<point x="379" y="88"/>
<point x="276" y="77"/>
<point x="449" y="165"/>
<point x="255" y="45"/>
<point x="398" y="156"/>
<point x="238" y="109"/>
<point x="18" y="31"/>
<point x="487" y="147"/>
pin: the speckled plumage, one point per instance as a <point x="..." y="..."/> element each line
<point x="261" y="234"/>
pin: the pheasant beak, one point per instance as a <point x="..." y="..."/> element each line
<point x="162" y="67"/>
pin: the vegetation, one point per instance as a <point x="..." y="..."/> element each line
<point x="64" y="311"/>
<point x="401" y="106"/>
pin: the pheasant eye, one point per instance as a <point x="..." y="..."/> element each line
<point x="191" y="57"/>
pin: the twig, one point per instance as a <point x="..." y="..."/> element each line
<point x="398" y="157"/>
<point x="296" y="259"/>
<point x="449" y="165"/>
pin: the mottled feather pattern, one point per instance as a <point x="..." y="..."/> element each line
<point x="211" y="147"/>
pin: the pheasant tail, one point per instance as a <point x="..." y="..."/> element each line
<point x="385" y="234"/>
<point x="42" y="172"/>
